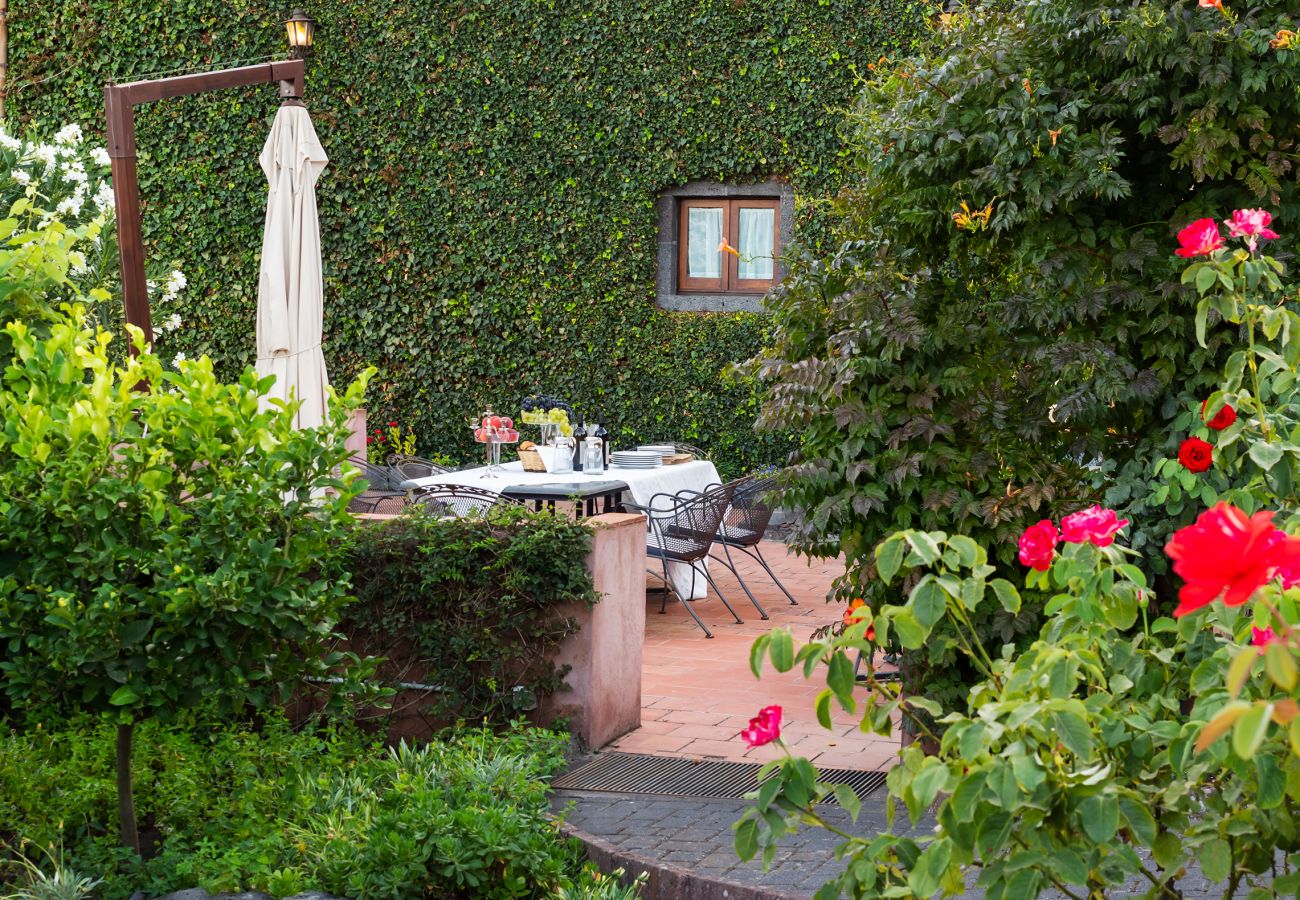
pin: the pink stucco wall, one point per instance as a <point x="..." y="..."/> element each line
<point x="605" y="700"/>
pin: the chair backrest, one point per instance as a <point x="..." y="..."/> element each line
<point x="747" y="518"/>
<point x="688" y="529"/>
<point x="383" y="502"/>
<point x="406" y="466"/>
<point x="379" y="478"/>
<point x="459" y="500"/>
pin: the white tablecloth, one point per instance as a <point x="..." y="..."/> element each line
<point x="642" y="485"/>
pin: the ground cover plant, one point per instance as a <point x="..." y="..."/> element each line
<point x="1004" y="335"/>
<point x="490" y="203"/>
<point x="234" y="808"/>
<point x="470" y="606"/>
<point x="1121" y="746"/>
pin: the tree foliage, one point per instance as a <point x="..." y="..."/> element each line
<point x="1002" y="332"/>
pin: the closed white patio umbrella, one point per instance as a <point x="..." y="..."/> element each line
<point x="290" y="290"/>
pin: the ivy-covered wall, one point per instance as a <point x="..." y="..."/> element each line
<point x="489" y="213"/>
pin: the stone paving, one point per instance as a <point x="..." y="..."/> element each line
<point x="697" y="693"/>
<point x="696" y="834"/>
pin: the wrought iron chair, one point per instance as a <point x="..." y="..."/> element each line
<point x="382" y="502"/>
<point x="404" y="467"/>
<point x="381" y="493"/>
<point x="459" y="500"/>
<point x="681" y="529"/>
<point x="744" y="525"/>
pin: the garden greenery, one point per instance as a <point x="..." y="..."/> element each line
<point x="468" y="606"/>
<point x="489" y="211"/>
<point x="159" y="548"/>
<point x="235" y="809"/>
<point x="1118" y="747"/>
<point x="1004" y="333"/>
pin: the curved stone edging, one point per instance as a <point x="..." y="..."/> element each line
<point x="667" y="882"/>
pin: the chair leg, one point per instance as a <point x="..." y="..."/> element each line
<point x="721" y="596"/>
<point x="758" y="554"/>
<point x="668" y="586"/>
<point x="744" y="587"/>
<point x="686" y="603"/>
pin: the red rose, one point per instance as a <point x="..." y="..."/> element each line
<point x="1201" y="238"/>
<point x="1222" y="419"/>
<point x="1225" y="552"/>
<point x="392" y="424"/>
<point x="1195" y="454"/>
<point x="1038" y="545"/>
<point x="1092" y="526"/>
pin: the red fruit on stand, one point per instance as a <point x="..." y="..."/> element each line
<point x="507" y="422"/>
<point x="495" y="421"/>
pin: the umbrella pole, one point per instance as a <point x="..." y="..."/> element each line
<point x="120" y="101"/>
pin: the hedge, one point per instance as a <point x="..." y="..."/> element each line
<point x="489" y="213"/>
<point x="471" y="606"/>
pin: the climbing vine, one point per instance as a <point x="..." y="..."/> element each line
<point x="489" y="211"/>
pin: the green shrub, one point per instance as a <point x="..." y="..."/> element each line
<point x="489" y="208"/>
<point x="237" y="809"/>
<point x="469" y="605"/>
<point x="157" y="548"/>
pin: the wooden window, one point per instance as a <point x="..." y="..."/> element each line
<point x="750" y="225"/>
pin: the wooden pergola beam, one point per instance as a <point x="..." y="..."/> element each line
<point x="120" y="101"/>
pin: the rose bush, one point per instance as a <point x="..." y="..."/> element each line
<point x="1094" y="761"/>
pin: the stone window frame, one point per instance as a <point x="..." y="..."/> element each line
<point x="667" y="293"/>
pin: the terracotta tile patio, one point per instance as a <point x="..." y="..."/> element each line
<point x="697" y="694"/>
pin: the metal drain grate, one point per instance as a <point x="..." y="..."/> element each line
<point x="714" y="779"/>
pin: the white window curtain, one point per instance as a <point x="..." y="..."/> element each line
<point x="703" y="234"/>
<point x="756" y="243"/>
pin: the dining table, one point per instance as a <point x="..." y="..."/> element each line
<point x="645" y="487"/>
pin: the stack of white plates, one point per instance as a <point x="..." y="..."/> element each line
<point x="661" y="449"/>
<point x="636" y="459"/>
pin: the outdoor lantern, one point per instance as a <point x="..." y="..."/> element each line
<point x="301" y="28"/>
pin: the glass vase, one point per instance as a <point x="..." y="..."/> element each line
<point x="493" y="459"/>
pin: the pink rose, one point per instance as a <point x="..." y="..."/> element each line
<point x="1252" y="224"/>
<point x="763" y="728"/>
<point x="1201" y="238"/>
<point x="1262" y="637"/>
<point x="1038" y="545"/>
<point x="1092" y="526"/>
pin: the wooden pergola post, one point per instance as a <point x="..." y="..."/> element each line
<point x="120" y="101"/>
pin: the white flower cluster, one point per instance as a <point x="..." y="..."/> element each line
<point x="176" y="282"/>
<point x="57" y="172"/>
<point x="68" y="135"/>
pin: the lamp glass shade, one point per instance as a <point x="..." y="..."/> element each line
<point x="300" y="29"/>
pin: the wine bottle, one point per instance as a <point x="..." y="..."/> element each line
<point x="601" y="433"/>
<point x="579" y="436"/>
